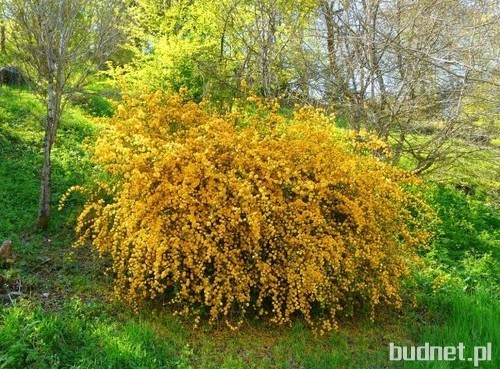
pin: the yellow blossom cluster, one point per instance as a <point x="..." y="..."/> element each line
<point x="271" y="218"/>
<point x="365" y="142"/>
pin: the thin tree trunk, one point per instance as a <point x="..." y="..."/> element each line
<point x="340" y="81"/>
<point x="45" y="184"/>
<point x="2" y="39"/>
<point x="53" y="113"/>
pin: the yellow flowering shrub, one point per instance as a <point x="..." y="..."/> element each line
<point x="364" y="142"/>
<point x="271" y="218"/>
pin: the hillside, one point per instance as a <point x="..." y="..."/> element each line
<point x="57" y="310"/>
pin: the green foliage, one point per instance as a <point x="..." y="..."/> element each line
<point x="449" y="316"/>
<point x="80" y="336"/>
<point x="20" y="144"/>
<point x="169" y="66"/>
<point x="94" y="104"/>
<point x="210" y="47"/>
<point x="21" y="137"/>
<point x="93" y="336"/>
<point x="458" y="286"/>
<point x="467" y="242"/>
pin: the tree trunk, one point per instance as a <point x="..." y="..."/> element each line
<point x="45" y="190"/>
<point x="2" y="39"/>
<point x="341" y="89"/>
<point x="53" y="113"/>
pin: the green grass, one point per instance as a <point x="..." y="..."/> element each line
<point x="467" y="242"/>
<point x="81" y="336"/>
<point x="64" y="317"/>
<point x="475" y="168"/>
<point x="21" y="139"/>
<point x="472" y="320"/>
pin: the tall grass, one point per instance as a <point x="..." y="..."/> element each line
<point x="80" y="336"/>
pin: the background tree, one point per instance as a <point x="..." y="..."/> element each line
<point x="263" y="42"/>
<point x="61" y="42"/>
<point x="3" y="32"/>
<point x="403" y="69"/>
<point x="210" y="47"/>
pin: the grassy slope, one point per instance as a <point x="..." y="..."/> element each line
<point x="65" y="319"/>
